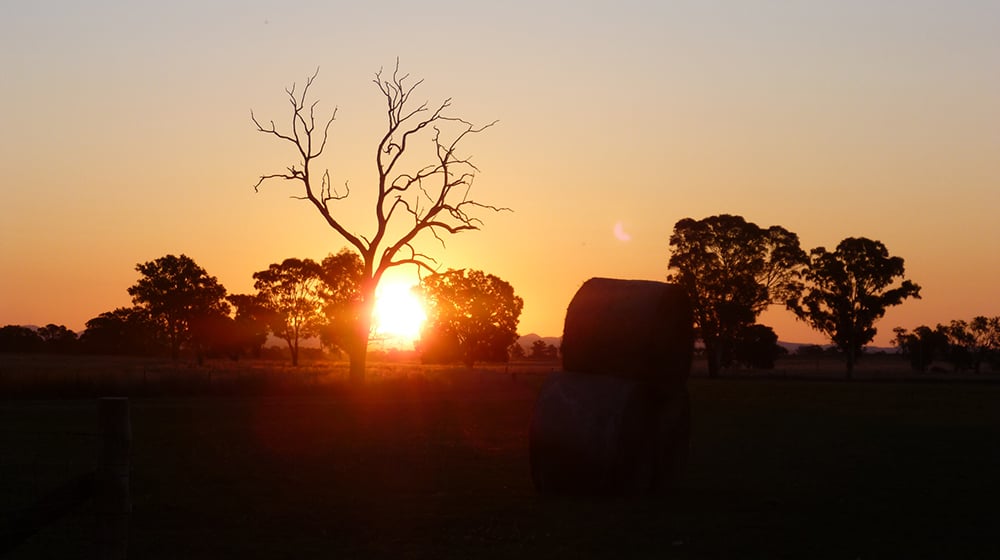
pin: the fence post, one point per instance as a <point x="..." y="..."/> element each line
<point x="113" y="501"/>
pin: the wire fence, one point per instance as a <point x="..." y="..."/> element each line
<point x="64" y="490"/>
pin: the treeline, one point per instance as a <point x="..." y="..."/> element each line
<point x="50" y="339"/>
<point x="179" y="310"/>
<point x="539" y="350"/>
<point x="730" y="268"/>
<point x="964" y="345"/>
<point x="733" y="270"/>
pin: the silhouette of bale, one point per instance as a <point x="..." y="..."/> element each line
<point x="617" y="419"/>
<point x="598" y="434"/>
<point x="637" y="329"/>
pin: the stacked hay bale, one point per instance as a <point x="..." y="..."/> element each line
<point x="617" y="418"/>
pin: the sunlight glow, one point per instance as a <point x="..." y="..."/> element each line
<point x="398" y="313"/>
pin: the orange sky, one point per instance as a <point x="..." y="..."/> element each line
<point x="126" y="136"/>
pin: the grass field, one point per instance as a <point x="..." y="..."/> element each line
<point x="435" y="465"/>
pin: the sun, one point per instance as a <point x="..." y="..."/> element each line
<point x="398" y="313"/>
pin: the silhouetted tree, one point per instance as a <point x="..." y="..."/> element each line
<point x="57" y="339"/>
<point x="215" y="335"/>
<point x="471" y="315"/>
<point x="810" y="350"/>
<point x="175" y="291"/>
<point x="250" y="322"/>
<point x="289" y="291"/>
<point x="438" y="347"/>
<point x="124" y="331"/>
<point x="539" y="350"/>
<point x="429" y="199"/>
<point x="922" y="346"/>
<point x="340" y="292"/>
<point x="972" y="341"/>
<point x="516" y="351"/>
<point x="731" y="270"/>
<point x="16" y="339"/>
<point x="847" y="290"/>
<point x="542" y="351"/>
<point x="757" y="347"/>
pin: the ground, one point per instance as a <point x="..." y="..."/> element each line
<point x="435" y="465"/>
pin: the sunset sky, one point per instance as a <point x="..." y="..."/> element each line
<point x="126" y="136"/>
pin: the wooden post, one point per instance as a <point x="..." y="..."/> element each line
<point x="113" y="500"/>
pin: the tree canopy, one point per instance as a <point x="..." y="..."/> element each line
<point x="300" y="299"/>
<point x="471" y="316"/>
<point x="757" y="347"/>
<point x="341" y="277"/>
<point x="847" y="290"/>
<point x="18" y="339"/>
<point x="289" y="292"/>
<point x="175" y="291"/>
<point x="57" y="339"/>
<point x="963" y="344"/>
<point x="732" y="270"/>
<point x="125" y="330"/>
<point x="249" y="322"/>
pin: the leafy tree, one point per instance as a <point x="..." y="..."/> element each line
<point x="539" y="350"/>
<point x="731" y="270"/>
<point x="57" y="339"/>
<point x="810" y="350"/>
<point x="19" y="340"/>
<point x="542" y="351"/>
<point x="340" y="291"/>
<point x="412" y="201"/>
<point x="847" y="290"/>
<point x="986" y="333"/>
<point x="973" y="341"/>
<point x="471" y="316"/>
<point x="175" y="291"/>
<point x="216" y="335"/>
<point x="757" y="347"/>
<point x="438" y="347"/>
<point x="289" y="292"/>
<point x="250" y="322"/>
<point x="922" y="346"/>
<point x="124" y="331"/>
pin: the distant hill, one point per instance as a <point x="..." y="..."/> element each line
<point x="529" y="339"/>
<point x="792" y="347"/>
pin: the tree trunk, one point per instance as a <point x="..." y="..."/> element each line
<point x="293" y="347"/>
<point x="358" y="350"/>
<point x="174" y="339"/>
<point x="358" y="347"/>
<point x="714" y="354"/>
<point x="850" y="363"/>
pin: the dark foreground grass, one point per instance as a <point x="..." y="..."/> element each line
<point x="438" y="468"/>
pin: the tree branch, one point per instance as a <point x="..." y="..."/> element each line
<point x="309" y="146"/>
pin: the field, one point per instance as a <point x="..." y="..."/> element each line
<point x="434" y="464"/>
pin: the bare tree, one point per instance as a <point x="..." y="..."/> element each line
<point x="418" y="200"/>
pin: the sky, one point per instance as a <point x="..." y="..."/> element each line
<point x="126" y="136"/>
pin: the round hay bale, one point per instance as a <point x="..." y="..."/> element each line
<point x="594" y="434"/>
<point x="638" y="329"/>
<point x="673" y="441"/>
